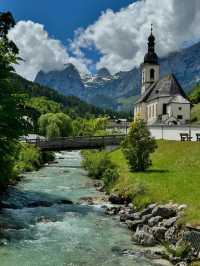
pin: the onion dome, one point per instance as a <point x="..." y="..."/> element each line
<point x="151" y="57"/>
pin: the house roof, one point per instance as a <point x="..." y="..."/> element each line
<point x="168" y="86"/>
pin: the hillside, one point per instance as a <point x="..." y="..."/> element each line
<point x="117" y="91"/>
<point x="173" y="179"/>
<point x="194" y="97"/>
<point x="72" y="104"/>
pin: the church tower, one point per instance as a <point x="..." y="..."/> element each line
<point x="150" y="68"/>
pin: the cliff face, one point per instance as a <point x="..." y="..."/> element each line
<point x="120" y="90"/>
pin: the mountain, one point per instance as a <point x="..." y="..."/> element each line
<point x="71" y="104"/>
<point x="119" y="91"/>
<point x="72" y="85"/>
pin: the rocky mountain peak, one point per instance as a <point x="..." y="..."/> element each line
<point x="103" y="73"/>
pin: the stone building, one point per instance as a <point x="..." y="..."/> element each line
<point x="162" y="101"/>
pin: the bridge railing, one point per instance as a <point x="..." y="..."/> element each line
<point x="77" y="142"/>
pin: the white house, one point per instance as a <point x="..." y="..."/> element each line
<point x="162" y="101"/>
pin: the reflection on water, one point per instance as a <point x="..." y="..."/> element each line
<point x="40" y="229"/>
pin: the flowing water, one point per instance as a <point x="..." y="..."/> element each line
<point x="60" y="234"/>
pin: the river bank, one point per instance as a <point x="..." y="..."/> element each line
<point x="151" y="220"/>
<point x="43" y="229"/>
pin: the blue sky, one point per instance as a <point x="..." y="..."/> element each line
<point x="116" y="40"/>
<point x="61" y="17"/>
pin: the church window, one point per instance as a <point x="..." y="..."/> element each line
<point x="143" y="77"/>
<point x="156" y="109"/>
<point x="152" y="74"/>
<point x="180" y="108"/>
<point x="153" y="111"/>
<point x="164" y="109"/>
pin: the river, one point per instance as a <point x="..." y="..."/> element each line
<point x="61" y="234"/>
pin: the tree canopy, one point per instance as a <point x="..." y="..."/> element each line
<point x="12" y="122"/>
<point x="55" y="125"/>
<point x="138" y="146"/>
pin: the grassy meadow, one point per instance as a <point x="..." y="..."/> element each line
<point x="174" y="176"/>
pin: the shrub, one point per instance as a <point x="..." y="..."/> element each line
<point x="28" y="159"/>
<point x="138" y="146"/>
<point x="110" y="175"/>
<point x="100" y="166"/>
<point x="181" y="251"/>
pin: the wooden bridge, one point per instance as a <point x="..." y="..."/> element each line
<point x="76" y="143"/>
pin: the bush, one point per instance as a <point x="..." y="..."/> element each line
<point x="100" y="166"/>
<point x="28" y="159"/>
<point x="110" y="175"/>
<point x="138" y="146"/>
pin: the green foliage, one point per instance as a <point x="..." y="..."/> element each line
<point x="12" y="122"/>
<point x="28" y="159"/>
<point x="99" y="166"/>
<point x="110" y="175"/>
<point x="8" y="150"/>
<point x="181" y="251"/>
<point x="194" y="95"/>
<point x="89" y="127"/>
<point x="55" y="125"/>
<point x="195" y="113"/>
<point x="44" y="106"/>
<point x="138" y="146"/>
<point x="71" y="105"/>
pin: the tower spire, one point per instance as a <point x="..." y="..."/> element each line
<point x="151" y="56"/>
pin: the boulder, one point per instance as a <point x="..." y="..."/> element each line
<point x="137" y="215"/>
<point x="145" y="218"/>
<point x="171" y="234"/>
<point x="182" y="207"/>
<point x="117" y="199"/>
<point x="144" y="238"/>
<point x="154" y="220"/>
<point x="169" y="222"/>
<point x="148" y="209"/>
<point x="39" y="203"/>
<point x="126" y="216"/>
<point x="164" y="211"/>
<point x="132" y="225"/>
<point x="112" y="210"/>
<point x="181" y="263"/>
<point x="158" y="232"/>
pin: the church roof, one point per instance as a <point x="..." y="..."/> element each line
<point x="168" y="86"/>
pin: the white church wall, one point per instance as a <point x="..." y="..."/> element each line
<point x="180" y="109"/>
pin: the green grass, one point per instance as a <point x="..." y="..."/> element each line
<point x="174" y="176"/>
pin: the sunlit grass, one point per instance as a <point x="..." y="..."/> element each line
<point x="174" y="176"/>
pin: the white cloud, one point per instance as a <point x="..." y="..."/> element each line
<point x="40" y="52"/>
<point x="121" y="37"/>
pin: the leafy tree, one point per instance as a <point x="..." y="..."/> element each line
<point x="43" y="105"/>
<point x="12" y="122"/>
<point x="138" y="146"/>
<point x="89" y="127"/>
<point x="55" y="125"/>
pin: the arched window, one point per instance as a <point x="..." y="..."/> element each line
<point x="152" y="74"/>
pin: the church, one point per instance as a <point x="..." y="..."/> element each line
<point x="162" y="101"/>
